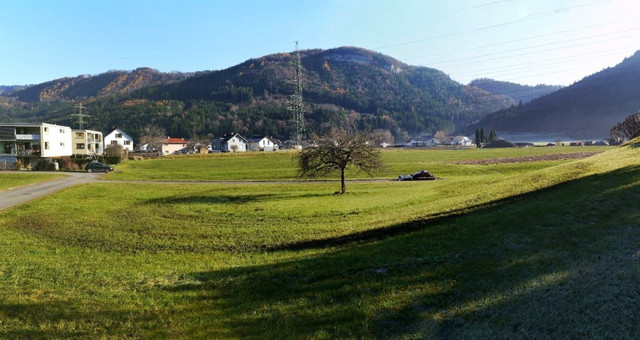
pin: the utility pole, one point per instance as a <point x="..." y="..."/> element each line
<point x="80" y="115"/>
<point x="296" y="104"/>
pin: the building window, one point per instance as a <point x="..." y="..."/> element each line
<point x="118" y="135"/>
<point x="46" y="145"/>
<point x="80" y="146"/>
<point x="114" y="142"/>
<point x="79" y="135"/>
<point x="61" y="130"/>
<point x="127" y="142"/>
<point x="46" y="129"/>
<point x="61" y="143"/>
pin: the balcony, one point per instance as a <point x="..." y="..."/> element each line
<point x="26" y="153"/>
<point x="23" y="136"/>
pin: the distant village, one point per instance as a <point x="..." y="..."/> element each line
<point x="22" y="143"/>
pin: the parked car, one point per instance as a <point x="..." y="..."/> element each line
<point x="422" y="175"/>
<point x="97" y="167"/>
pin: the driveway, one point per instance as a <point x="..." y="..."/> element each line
<point x="12" y="197"/>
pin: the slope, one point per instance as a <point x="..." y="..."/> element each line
<point x="520" y="93"/>
<point x="87" y="86"/>
<point x="586" y="109"/>
<point x="375" y="91"/>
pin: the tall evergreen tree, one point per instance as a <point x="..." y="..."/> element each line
<point x="483" y="136"/>
<point x="478" y="140"/>
<point x="493" y="136"/>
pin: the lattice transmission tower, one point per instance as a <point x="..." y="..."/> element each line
<point x="80" y="115"/>
<point x="296" y="104"/>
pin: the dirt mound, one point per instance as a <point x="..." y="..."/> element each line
<point x="555" y="157"/>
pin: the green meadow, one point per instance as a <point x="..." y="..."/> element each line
<point x="537" y="249"/>
<point x="260" y="166"/>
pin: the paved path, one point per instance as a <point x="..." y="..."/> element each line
<point x="12" y="197"/>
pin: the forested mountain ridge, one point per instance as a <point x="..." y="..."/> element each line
<point x="374" y="91"/>
<point x="586" y="109"/>
<point x="85" y="87"/>
<point x="520" y="93"/>
<point x="7" y="89"/>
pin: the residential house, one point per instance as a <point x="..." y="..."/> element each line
<point x="461" y="141"/>
<point x="87" y="142"/>
<point x="262" y="143"/>
<point x="170" y="145"/>
<point x="23" y="142"/>
<point x="422" y="141"/>
<point x="229" y="143"/>
<point x="119" y="137"/>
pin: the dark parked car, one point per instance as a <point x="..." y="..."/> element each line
<point x="97" y="167"/>
<point x="422" y="175"/>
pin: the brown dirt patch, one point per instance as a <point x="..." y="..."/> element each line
<point x="554" y="157"/>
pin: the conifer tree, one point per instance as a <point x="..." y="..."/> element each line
<point x="493" y="136"/>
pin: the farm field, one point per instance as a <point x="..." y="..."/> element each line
<point x="534" y="249"/>
<point x="11" y="179"/>
<point x="260" y="166"/>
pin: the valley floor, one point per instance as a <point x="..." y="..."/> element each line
<point x="537" y="249"/>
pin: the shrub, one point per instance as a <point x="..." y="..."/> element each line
<point x="114" y="154"/>
<point x="44" y="164"/>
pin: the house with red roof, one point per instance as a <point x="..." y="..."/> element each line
<point x="171" y="145"/>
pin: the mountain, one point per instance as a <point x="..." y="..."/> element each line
<point x="371" y="90"/>
<point x="9" y="89"/>
<point x="520" y="93"/>
<point x="586" y="109"/>
<point x="86" y="86"/>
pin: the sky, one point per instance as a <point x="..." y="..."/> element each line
<point x="530" y="42"/>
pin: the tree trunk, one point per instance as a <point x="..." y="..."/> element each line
<point x="344" y="187"/>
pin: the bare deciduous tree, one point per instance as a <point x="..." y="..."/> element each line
<point x="337" y="152"/>
<point x="153" y="135"/>
<point x="629" y="128"/>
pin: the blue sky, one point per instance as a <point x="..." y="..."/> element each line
<point x="524" y="41"/>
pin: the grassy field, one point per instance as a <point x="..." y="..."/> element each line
<point x="12" y="180"/>
<point x="262" y="166"/>
<point x="534" y="250"/>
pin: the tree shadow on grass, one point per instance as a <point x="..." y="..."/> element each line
<point x="564" y="262"/>
<point x="64" y="320"/>
<point x="209" y="199"/>
<point x="215" y="198"/>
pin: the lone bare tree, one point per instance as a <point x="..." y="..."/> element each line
<point x="337" y="152"/>
<point x="153" y="135"/>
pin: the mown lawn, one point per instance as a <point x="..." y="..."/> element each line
<point x="12" y="180"/>
<point x="534" y="250"/>
<point x="260" y="166"/>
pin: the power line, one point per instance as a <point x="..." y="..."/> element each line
<point x="530" y="17"/>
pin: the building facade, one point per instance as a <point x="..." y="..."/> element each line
<point x="87" y="142"/>
<point x="262" y="143"/>
<point x="171" y="145"/>
<point x="26" y="142"/>
<point x="119" y="137"/>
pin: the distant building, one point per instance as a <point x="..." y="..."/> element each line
<point x="119" y="137"/>
<point x="262" y="143"/>
<point x="461" y="141"/>
<point x="25" y="142"/>
<point x="171" y="145"/>
<point x="87" y="142"/>
<point x="229" y="143"/>
<point x="422" y="141"/>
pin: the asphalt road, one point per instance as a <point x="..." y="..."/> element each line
<point x="13" y="197"/>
